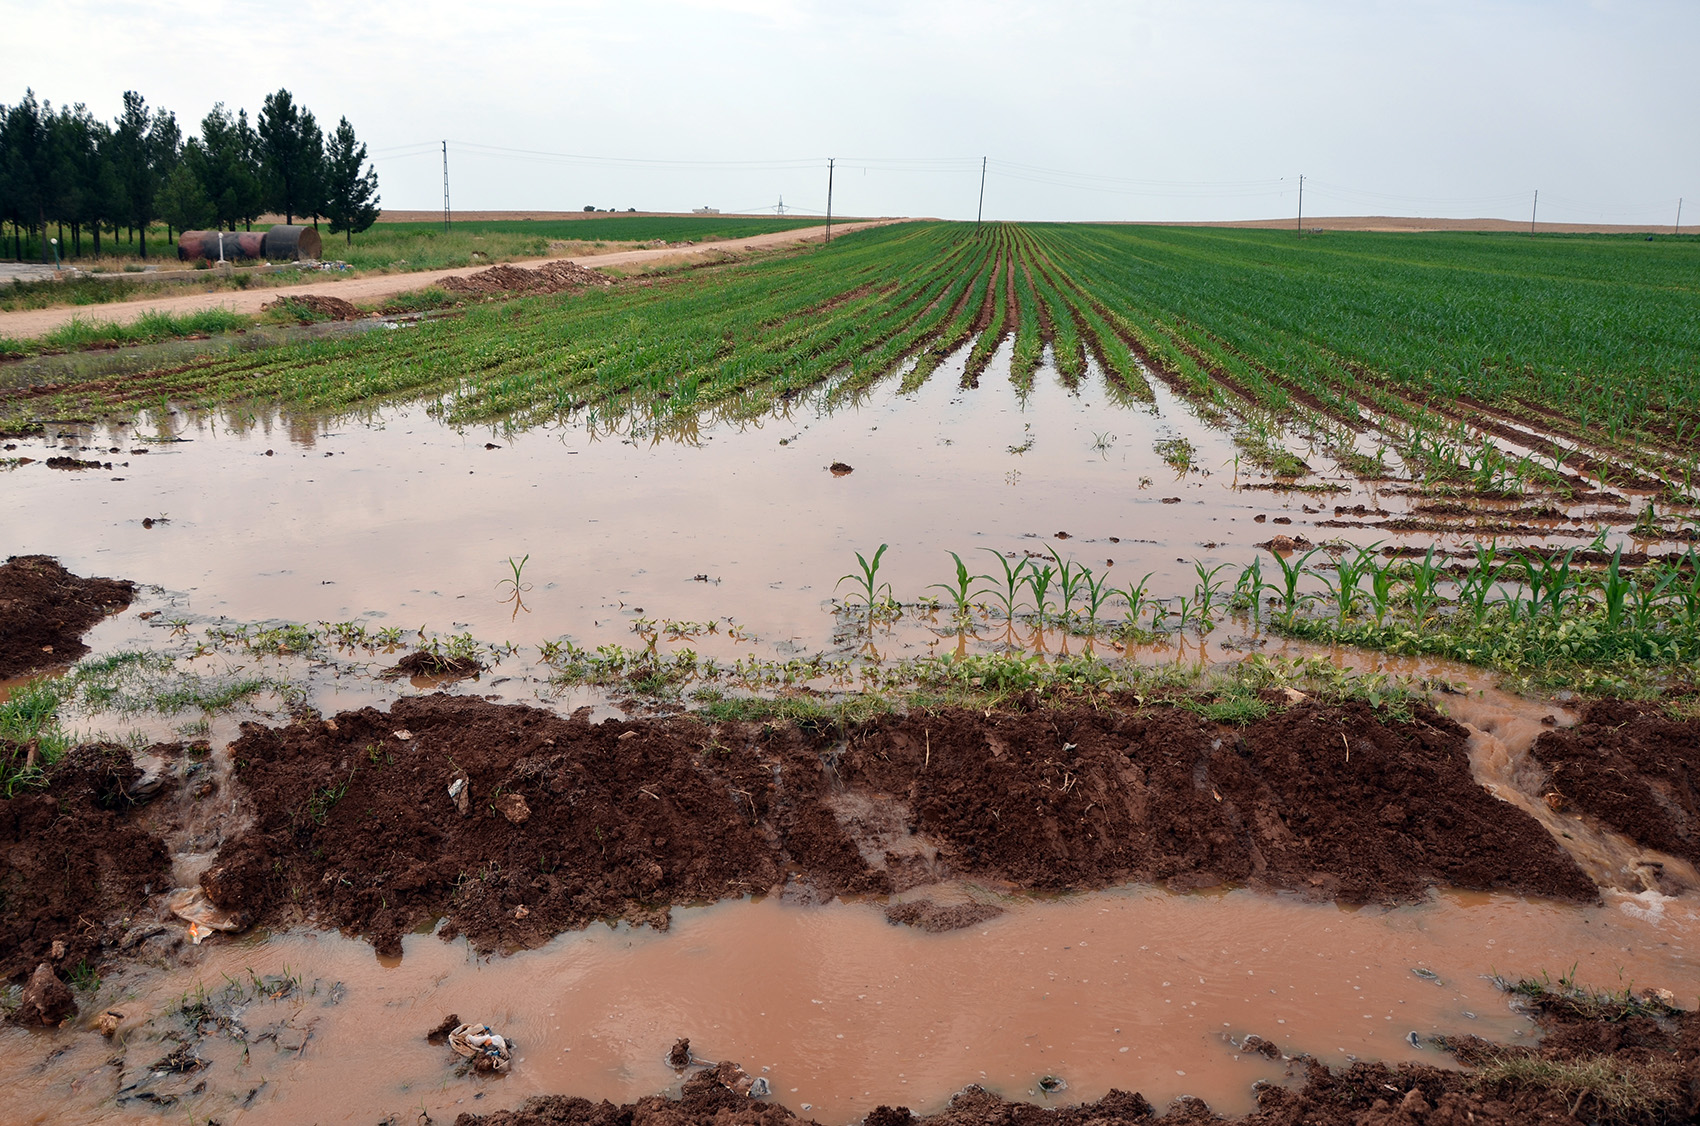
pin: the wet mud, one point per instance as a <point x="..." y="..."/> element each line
<point x="75" y="864"/>
<point x="514" y="824"/>
<point x="1633" y="768"/>
<point x="45" y="610"/>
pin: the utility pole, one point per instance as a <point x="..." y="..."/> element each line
<point x="829" y="163"/>
<point x="1677" y="230"/>
<point x="1301" y="225"/>
<point x="780" y="210"/>
<point x="445" y="186"/>
<point x="1532" y="210"/>
<point x="981" y="210"/>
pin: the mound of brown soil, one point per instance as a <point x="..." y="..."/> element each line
<point x="551" y="277"/>
<point x="376" y="822"/>
<point x="1634" y="769"/>
<point x="1332" y="801"/>
<point x="72" y="861"/>
<point x="45" y="610"/>
<point x="315" y="306"/>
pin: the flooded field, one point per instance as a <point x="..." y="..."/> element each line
<point x="394" y="519"/>
<point x="347" y="541"/>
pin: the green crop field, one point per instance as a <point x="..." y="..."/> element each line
<point x="1582" y="352"/>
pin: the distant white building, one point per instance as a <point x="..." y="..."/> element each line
<point x="705" y="211"/>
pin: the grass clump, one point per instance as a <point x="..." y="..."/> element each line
<point x="1620" y="1091"/>
<point x="30" y="738"/>
<point x="149" y="328"/>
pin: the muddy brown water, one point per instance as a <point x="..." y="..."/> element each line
<point x="841" y="1011"/>
<point x="396" y="519"/>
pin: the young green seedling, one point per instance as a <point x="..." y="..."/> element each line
<point x="868" y="587"/>
<point x="1014" y="578"/>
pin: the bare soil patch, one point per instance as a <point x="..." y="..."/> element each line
<point x="45" y="610"/>
<point x="1633" y="768"/>
<point x="377" y="822"/>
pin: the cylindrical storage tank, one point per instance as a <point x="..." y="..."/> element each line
<point x="293" y="243"/>
<point x="205" y="244"/>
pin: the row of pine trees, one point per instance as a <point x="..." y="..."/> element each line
<point x="67" y="170"/>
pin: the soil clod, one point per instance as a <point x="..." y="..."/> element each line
<point x="46" y="1000"/>
<point x="924" y="914"/>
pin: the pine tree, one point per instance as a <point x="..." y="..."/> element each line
<point x="351" y="198"/>
<point x="293" y="152"/>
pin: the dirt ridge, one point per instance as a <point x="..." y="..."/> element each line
<point x="375" y="822"/>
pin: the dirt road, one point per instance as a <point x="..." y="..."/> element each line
<point x="27" y="323"/>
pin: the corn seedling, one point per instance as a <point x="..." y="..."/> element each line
<point x="1014" y="578"/>
<point x="960" y="590"/>
<point x="1207" y="592"/>
<point x="1069" y="580"/>
<point x="869" y="589"/>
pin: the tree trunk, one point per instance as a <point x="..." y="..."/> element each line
<point x="144" y="244"/>
<point x="77" y="239"/>
<point x="97" y="238"/>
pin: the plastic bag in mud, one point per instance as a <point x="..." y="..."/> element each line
<point x="190" y="905"/>
<point x="487" y="1050"/>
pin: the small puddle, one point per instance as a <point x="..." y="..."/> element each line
<point x="841" y="1011"/>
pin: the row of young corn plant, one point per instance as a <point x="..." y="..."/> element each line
<point x="1505" y="609"/>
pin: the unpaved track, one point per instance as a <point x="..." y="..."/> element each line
<point x="26" y="323"/>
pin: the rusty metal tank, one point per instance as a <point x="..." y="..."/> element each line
<point x="205" y="244"/>
<point x="290" y="243"/>
<point x="293" y="243"/>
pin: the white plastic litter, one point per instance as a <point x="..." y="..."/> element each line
<point x="190" y="905"/>
<point x="487" y="1050"/>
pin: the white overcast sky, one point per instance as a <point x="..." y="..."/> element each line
<point x="1151" y="109"/>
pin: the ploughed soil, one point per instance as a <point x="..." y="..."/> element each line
<point x="45" y="610"/>
<point x="1635" y="769"/>
<point x="1655" y="1054"/>
<point x="514" y="823"/>
<point x="74" y="864"/>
